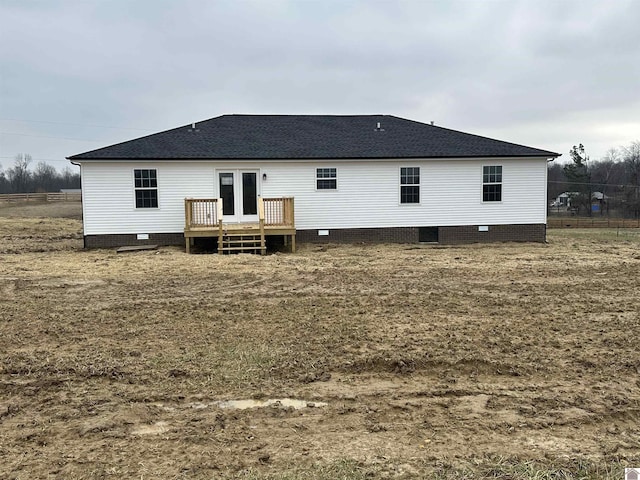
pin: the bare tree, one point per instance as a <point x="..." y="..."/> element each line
<point x="70" y="179"/>
<point x="19" y="175"/>
<point x="603" y="174"/>
<point x="4" y="188"/>
<point x="632" y="167"/>
<point x="45" y="177"/>
<point x="557" y="181"/>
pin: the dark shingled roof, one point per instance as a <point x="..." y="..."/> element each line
<point x="274" y="137"/>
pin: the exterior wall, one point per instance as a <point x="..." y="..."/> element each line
<point x="118" y="240"/>
<point x="360" y="235"/>
<point x="109" y="197"/>
<point x="495" y="233"/>
<point x="446" y="235"/>
<point x="368" y="194"/>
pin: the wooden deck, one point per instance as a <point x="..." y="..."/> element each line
<point x="204" y="218"/>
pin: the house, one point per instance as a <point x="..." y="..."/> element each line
<point x="359" y="178"/>
<point x="567" y="201"/>
<point x="564" y="199"/>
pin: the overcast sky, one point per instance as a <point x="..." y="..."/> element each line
<point x="78" y="75"/>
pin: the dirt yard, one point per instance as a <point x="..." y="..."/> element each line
<point x="495" y="361"/>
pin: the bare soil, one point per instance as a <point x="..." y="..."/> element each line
<point x="509" y="360"/>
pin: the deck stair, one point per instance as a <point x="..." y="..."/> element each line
<point x="243" y="243"/>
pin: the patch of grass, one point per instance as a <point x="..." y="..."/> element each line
<point x="515" y="469"/>
<point x="338" y="470"/>
<point x="597" y="234"/>
<point x="495" y="467"/>
<point x="42" y="209"/>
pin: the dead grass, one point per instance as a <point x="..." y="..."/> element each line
<point x="597" y="234"/>
<point x="484" y="361"/>
<point x="42" y="209"/>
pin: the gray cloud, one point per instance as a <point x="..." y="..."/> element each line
<point x="545" y="73"/>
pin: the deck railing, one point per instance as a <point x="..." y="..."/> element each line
<point x="207" y="212"/>
<point x="202" y="212"/>
<point x="278" y="211"/>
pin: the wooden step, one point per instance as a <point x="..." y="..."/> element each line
<point x="243" y="249"/>
<point x="248" y="241"/>
<point x="257" y="241"/>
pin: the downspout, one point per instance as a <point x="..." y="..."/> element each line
<point x="84" y="237"/>
<point x="546" y="196"/>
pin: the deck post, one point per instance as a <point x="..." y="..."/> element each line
<point x="263" y="243"/>
<point x="187" y="213"/>
<point x="260" y="208"/>
<point x="220" y="237"/>
<point x="293" y="218"/>
<point x="293" y="226"/>
<point x="187" y="224"/>
<point x="219" y="212"/>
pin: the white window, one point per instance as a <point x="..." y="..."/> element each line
<point x="492" y="183"/>
<point x="326" y="179"/>
<point x="145" y="182"/>
<point x="410" y="185"/>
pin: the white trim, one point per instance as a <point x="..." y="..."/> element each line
<point x="482" y="184"/>
<point x="238" y="216"/>
<point x="315" y="170"/>
<point x="400" y="185"/>
<point x="84" y="203"/>
<point x="309" y="160"/>
<point x="157" y="189"/>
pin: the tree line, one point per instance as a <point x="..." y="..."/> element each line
<point x="608" y="186"/>
<point x="20" y="178"/>
<point x="612" y="182"/>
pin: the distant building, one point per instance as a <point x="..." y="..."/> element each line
<point x="564" y="200"/>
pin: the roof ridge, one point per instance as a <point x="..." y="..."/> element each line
<point x="300" y="115"/>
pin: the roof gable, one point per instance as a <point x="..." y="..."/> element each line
<point x="247" y="137"/>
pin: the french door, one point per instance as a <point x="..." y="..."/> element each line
<point x="239" y="193"/>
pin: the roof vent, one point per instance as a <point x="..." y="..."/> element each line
<point x="378" y="128"/>
<point x="432" y="122"/>
<point x="193" y="128"/>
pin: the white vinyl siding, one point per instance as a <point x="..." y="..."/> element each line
<point x="109" y="203"/>
<point x="368" y="194"/>
<point x="450" y="194"/>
